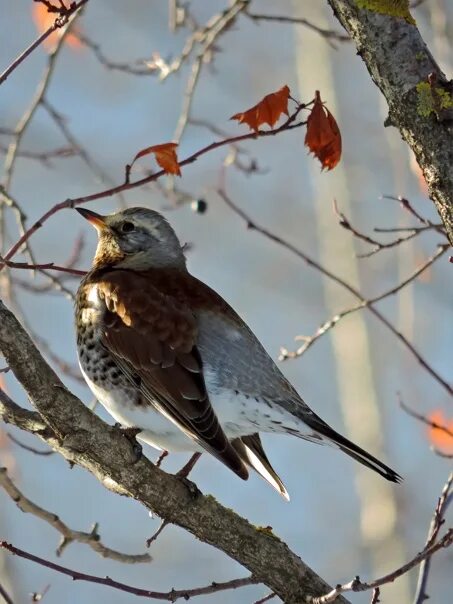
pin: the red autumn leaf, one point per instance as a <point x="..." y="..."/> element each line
<point x="438" y="437"/>
<point x="43" y="20"/>
<point x="267" y="111"/>
<point x="165" y="155"/>
<point x="323" y="136"/>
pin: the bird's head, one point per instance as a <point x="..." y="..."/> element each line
<point x="135" y="238"/>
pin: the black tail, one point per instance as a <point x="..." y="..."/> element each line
<point x="251" y="451"/>
<point x="353" y="450"/>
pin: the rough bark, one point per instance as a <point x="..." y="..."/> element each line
<point x="81" y="437"/>
<point x="398" y="59"/>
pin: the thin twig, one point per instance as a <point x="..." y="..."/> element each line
<point x="379" y="245"/>
<point x="328" y="34"/>
<point x="357" y="585"/>
<point x="61" y="20"/>
<point x="375" y="596"/>
<point x="440" y="453"/>
<point x="308" y="341"/>
<point x="169" y="596"/>
<point x="182" y="473"/>
<point x="218" y="26"/>
<point x="54" y="282"/>
<point x="437" y="521"/>
<point x="139" y="67"/>
<point x="42" y="267"/>
<point x="84" y="155"/>
<point x="406" y="205"/>
<point x="422" y="418"/>
<point x="155" y="535"/>
<point x="4" y="594"/>
<point x="92" y="539"/>
<point x="45" y="157"/>
<point x="28" y="448"/>
<point x="266" y="598"/>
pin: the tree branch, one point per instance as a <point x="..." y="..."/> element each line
<point x="169" y="596"/>
<point x="4" y="594"/>
<point x="398" y="60"/>
<point x="61" y="20"/>
<point x="437" y="521"/>
<point x="357" y="585"/>
<point x="84" y="439"/>
<point x="92" y="539"/>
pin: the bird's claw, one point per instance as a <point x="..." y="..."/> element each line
<point x="131" y="433"/>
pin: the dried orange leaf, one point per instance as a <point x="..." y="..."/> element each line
<point x="440" y="438"/>
<point x="43" y="20"/>
<point x="165" y="155"/>
<point x="323" y="136"/>
<point x="267" y="111"/>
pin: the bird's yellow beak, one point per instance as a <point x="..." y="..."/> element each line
<point x="97" y="220"/>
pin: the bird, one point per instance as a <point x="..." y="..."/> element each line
<point x="167" y="355"/>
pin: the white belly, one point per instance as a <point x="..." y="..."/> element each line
<point x="157" y="430"/>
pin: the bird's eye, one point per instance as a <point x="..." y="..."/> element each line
<point x="127" y="227"/>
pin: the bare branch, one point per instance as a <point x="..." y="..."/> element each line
<point x="375" y="596"/>
<point x="138" y="67"/>
<point x="379" y="245"/>
<point x="61" y="21"/>
<point x="422" y="418"/>
<point x="215" y="28"/>
<point x="357" y="585"/>
<point x="61" y="123"/>
<point x="308" y="341"/>
<point x="436" y="523"/>
<point x="28" y="448"/>
<point x="169" y="596"/>
<point x="41" y="267"/>
<point x="329" y="34"/>
<point x="156" y="534"/>
<point x="266" y="598"/>
<point x="4" y="594"/>
<point x="92" y="539"/>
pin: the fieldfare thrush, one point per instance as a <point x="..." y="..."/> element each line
<point x="164" y="353"/>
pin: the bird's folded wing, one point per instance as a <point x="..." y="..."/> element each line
<point x="152" y="337"/>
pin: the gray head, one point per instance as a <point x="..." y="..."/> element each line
<point x="136" y="238"/>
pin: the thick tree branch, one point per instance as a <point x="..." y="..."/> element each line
<point x="397" y="58"/>
<point x="83" y="438"/>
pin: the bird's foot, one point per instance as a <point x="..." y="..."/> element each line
<point x="194" y="491"/>
<point x="161" y="458"/>
<point x="185" y="470"/>
<point x="130" y="433"/>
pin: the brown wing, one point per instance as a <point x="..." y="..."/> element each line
<point x="152" y="336"/>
